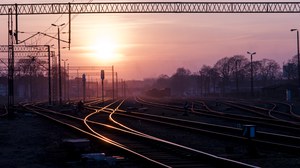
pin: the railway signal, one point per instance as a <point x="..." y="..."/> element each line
<point x="102" y="79"/>
<point x="83" y="83"/>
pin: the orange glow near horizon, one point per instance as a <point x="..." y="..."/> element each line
<point x="100" y="43"/>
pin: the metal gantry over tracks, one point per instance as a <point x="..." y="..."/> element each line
<point x="152" y="7"/>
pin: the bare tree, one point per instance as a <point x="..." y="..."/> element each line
<point x="208" y="77"/>
<point x="205" y="79"/>
<point x="163" y="81"/>
<point x="269" y="70"/>
<point x="223" y="68"/>
<point x="31" y="66"/>
<point x="237" y="69"/>
<point x="180" y="80"/>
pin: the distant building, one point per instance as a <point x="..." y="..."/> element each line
<point x="279" y="91"/>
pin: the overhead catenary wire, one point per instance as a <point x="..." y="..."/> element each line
<point x="73" y="17"/>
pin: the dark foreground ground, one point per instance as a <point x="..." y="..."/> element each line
<point x="31" y="141"/>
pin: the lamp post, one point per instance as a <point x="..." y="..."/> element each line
<point x="59" y="67"/>
<point x="298" y="59"/>
<point x="65" y="78"/>
<point x="251" y="54"/>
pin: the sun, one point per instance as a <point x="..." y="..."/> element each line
<point x="105" y="50"/>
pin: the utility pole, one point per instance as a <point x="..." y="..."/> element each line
<point x="10" y="74"/>
<point x="237" y="76"/>
<point x="298" y="56"/>
<point x="59" y="67"/>
<point x="54" y="76"/>
<point x="251" y="54"/>
<point x="49" y="76"/>
<point x="65" y="79"/>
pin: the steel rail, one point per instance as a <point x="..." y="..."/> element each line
<point x="262" y="113"/>
<point x="268" y="118"/>
<point x="279" y="141"/>
<point x="290" y="116"/>
<point x="290" y="109"/>
<point x="223" y="131"/>
<point x="151" y="7"/>
<point x="207" y="155"/>
<point x="92" y="134"/>
<point x="228" y="162"/>
<point x="253" y="120"/>
<point x="212" y="158"/>
<point x="208" y="108"/>
<point x="272" y="112"/>
<point x="211" y="111"/>
<point x="267" y="112"/>
<point x="282" y="143"/>
<point x="77" y="118"/>
<point x="264" y="137"/>
<point x="188" y="123"/>
<point x="85" y="120"/>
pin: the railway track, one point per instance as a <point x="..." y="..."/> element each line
<point x="211" y="113"/>
<point x="273" y="140"/>
<point x="281" y="117"/>
<point x="290" y="109"/>
<point x="152" y="150"/>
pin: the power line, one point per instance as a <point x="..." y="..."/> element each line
<point x="45" y="31"/>
<point x="73" y="17"/>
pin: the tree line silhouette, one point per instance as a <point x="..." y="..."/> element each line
<point x="229" y="76"/>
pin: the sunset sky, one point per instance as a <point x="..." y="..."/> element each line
<point x="147" y="45"/>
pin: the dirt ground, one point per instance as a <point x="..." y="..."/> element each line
<point x="31" y="141"/>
